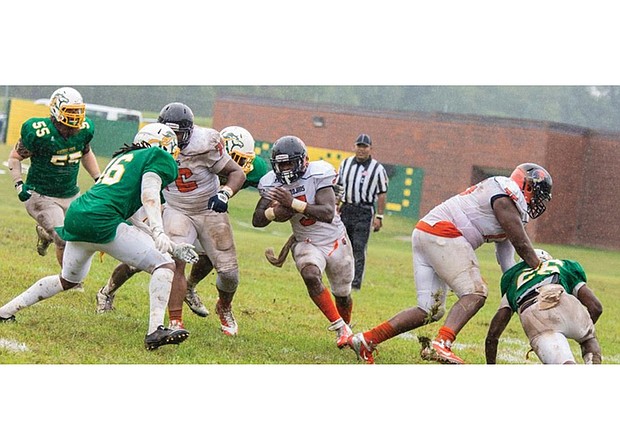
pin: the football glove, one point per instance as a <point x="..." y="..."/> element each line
<point x="24" y="191"/>
<point x="184" y="252"/>
<point x="219" y="202"/>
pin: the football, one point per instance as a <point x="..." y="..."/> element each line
<point x="282" y="213"/>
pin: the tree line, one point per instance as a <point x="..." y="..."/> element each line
<point x="595" y="107"/>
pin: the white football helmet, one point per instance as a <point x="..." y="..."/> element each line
<point x="240" y="146"/>
<point x="67" y="107"/>
<point x="161" y="135"/>
<point x="543" y="255"/>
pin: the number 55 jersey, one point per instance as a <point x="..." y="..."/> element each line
<point x="54" y="160"/>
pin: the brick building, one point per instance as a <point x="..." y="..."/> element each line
<point x="432" y="156"/>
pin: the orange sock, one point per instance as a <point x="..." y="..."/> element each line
<point x="176" y="314"/>
<point x="446" y="334"/>
<point x="380" y="333"/>
<point x="325" y="303"/>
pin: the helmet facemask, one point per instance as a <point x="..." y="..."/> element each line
<point x="183" y="133"/>
<point x="541" y="193"/>
<point x="288" y="169"/>
<point x="244" y="160"/>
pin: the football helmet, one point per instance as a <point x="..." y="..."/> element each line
<point x="535" y="182"/>
<point x="180" y="118"/>
<point x="289" y="159"/>
<point x="67" y="107"/>
<point x="240" y="146"/>
<point x="543" y="255"/>
<point x="160" y="135"/>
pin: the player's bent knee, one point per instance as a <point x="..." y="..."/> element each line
<point x="227" y="281"/>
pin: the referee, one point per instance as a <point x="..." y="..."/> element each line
<point x="364" y="182"/>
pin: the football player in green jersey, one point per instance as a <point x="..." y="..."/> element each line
<point x="97" y="221"/>
<point x="55" y="146"/>
<point x="554" y="305"/>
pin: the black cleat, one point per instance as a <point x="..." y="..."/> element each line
<point x="7" y="319"/>
<point x="164" y="336"/>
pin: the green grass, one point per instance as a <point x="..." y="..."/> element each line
<point x="278" y="322"/>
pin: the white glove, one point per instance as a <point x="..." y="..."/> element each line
<point x="184" y="252"/>
<point x="162" y="241"/>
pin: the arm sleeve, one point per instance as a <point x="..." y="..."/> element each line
<point x="151" y="187"/>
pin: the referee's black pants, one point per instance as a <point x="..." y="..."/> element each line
<point x="357" y="218"/>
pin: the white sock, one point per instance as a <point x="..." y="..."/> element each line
<point x="159" y="293"/>
<point x="41" y="290"/>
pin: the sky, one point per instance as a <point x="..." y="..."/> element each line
<point x="317" y="43"/>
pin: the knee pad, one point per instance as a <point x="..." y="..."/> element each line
<point x="227" y="281"/>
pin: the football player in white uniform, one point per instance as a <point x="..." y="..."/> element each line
<point x="301" y="192"/>
<point x="195" y="209"/>
<point x="494" y="210"/>
<point x="239" y="145"/>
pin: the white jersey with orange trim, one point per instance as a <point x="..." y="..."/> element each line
<point x="471" y="212"/>
<point x="320" y="174"/>
<point x="199" y="162"/>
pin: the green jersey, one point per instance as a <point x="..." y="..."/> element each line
<point x="521" y="278"/>
<point x="260" y="169"/>
<point x="55" y="161"/>
<point x="94" y="216"/>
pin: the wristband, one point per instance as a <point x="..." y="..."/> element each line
<point x="227" y="190"/>
<point x="379" y="216"/>
<point x="299" y="206"/>
<point x="270" y="214"/>
<point x="18" y="182"/>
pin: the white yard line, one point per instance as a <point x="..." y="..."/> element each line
<point x="10" y="345"/>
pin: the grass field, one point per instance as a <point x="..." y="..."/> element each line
<point x="279" y="326"/>
<point x="278" y="322"/>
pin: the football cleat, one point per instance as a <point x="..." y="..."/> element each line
<point x="227" y="320"/>
<point x="7" y="319"/>
<point x="195" y="304"/>
<point x="164" y="336"/>
<point x="343" y="332"/>
<point x="362" y="349"/>
<point x="440" y="351"/>
<point x="104" y="302"/>
<point x="43" y="241"/>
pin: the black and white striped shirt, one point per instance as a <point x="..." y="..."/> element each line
<point x="362" y="181"/>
